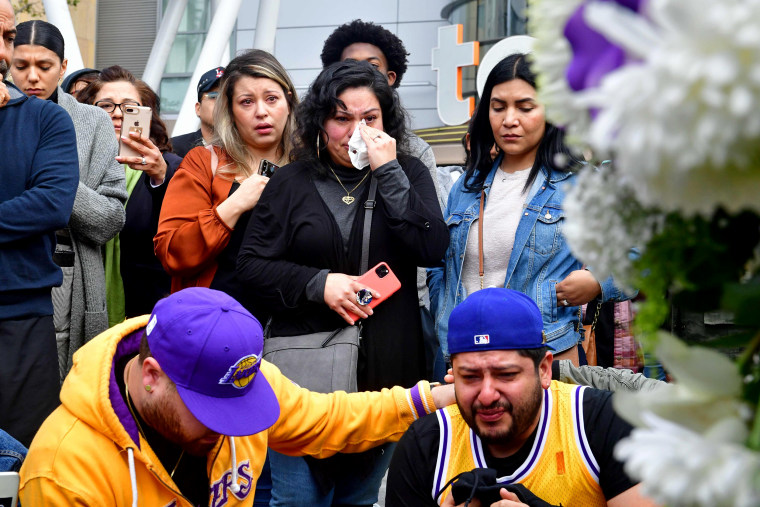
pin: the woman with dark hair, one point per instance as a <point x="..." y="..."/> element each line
<point x="79" y="304"/>
<point x="505" y="214"/>
<point x="208" y="204"/>
<point x="302" y="254"/>
<point x="135" y="278"/>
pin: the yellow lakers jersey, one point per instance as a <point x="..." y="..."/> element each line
<point x="560" y="468"/>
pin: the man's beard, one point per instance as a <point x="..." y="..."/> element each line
<point x="523" y="416"/>
<point x="164" y="419"/>
<point x="3" y="69"/>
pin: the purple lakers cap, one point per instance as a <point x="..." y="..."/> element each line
<point x="495" y="319"/>
<point x="211" y="348"/>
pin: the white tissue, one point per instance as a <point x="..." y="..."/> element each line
<point x="357" y="149"/>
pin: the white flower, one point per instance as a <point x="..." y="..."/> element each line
<point x="704" y="398"/>
<point x="681" y="121"/>
<point x="688" y="449"/>
<point x="551" y="56"/>
<point x="604" y="222"/>
<point x="680" y="468"/>
<point x="684" y="124"/>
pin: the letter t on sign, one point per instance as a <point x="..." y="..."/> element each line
<point x="448" y="59"/>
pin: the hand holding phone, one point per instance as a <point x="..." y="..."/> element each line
<point x="380" y="279"/>
<point x="134" y="119"/>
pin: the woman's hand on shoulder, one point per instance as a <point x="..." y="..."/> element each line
<point x="340" y="296"/>
<point x="244" y="199"/>
<point x="381" y="148"/>
<point x="150" y="160"/>
<point x="578" y="288"/>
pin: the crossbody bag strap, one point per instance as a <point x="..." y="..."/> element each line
<point x="480" y="236"/>
<point x="369" y="207"/>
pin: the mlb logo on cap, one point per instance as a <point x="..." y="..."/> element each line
<point x="482" y="339"/>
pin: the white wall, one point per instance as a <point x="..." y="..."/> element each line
<point x="303" y="26"/>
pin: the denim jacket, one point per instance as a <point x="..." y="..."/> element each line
<point x="12" y="453"/>
<point x="540" y="257"/>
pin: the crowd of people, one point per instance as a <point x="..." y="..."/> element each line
<point x="146" y="284"/>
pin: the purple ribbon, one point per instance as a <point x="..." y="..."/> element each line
<point x="593" y="55"/>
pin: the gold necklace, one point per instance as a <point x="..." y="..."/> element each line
<point x="347" y="198"/>
<point x="137" y="421"/>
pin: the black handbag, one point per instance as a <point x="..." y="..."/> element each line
<point x="326" y="361"/>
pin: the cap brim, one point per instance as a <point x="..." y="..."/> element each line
<point x="254" y="411"/>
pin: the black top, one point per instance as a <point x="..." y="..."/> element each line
<point x="412" y="469"/>
<point x="226" y="278"/>
<point x="293" y="235"/>
<point x="186" y="142"/>
<point x="145" y="281"/>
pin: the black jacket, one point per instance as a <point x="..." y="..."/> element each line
<point x="186" y="142"/>
<point x="292" y="235"/>
<point x="145" y="281"/>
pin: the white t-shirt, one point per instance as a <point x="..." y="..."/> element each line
<point x="501" y="216"/>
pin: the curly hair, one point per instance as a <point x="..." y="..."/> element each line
<point x="370" y="33"/>
<point x="322" y="101"/>
<point x="482" y="138"/>
<point x="158" y="133"/>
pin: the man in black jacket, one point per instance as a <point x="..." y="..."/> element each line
<point x="208" y="91"/>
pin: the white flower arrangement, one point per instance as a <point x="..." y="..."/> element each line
<point x="669" y="90"/>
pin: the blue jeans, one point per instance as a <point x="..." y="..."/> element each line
<point x="12" y="453"/>
<point x="263" y="486"/>
<point x="294" y="485"/>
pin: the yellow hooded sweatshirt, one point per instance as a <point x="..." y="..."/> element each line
<point x="83" y="455"/>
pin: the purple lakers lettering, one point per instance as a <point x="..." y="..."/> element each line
<point x="221" y="488"/>
<point x="242" y="372"/>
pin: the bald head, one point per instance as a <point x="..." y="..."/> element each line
<point x="7" y="35"/>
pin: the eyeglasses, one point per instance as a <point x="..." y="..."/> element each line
<point x="109" y="107"/>
<point x="211" y="95"/>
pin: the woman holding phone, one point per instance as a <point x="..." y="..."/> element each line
<point x="135" y="279"/>
<point x="209" y="202"/>
<point x="302" y="252"/>
<point x="79" y="304"/>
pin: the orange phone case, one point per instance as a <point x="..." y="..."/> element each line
<point x="386" y="285"/>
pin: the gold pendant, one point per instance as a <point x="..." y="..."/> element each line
<point x="348" y="199"/>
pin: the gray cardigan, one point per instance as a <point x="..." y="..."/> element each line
<point x="98" y="216"/>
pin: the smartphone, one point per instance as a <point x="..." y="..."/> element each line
<point x="381" y="279"/>
<point x="9" y="482"/>
<point x="134" y="119"/>
<point x="267" y="168"/>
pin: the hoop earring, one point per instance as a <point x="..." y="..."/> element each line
<point x="318" y="136"/>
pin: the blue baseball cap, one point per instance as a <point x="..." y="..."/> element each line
<point x="496" y="319"/>
<point x="211" y="348"/>
<point x="208" y="80"/>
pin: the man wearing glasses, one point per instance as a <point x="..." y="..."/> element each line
<point x="208" y="91"/>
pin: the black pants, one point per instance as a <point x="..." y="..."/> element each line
<point x="29" y="381"/>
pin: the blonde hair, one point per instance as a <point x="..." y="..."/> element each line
<point x="252" y="63"/>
